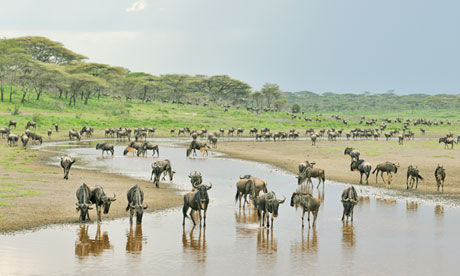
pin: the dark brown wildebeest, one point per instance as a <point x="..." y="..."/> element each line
<point x="4" y="132"/>
<point x="83" y="201"/>
<point x="50" y="131"/>
<point x="310" y="172"/>
<point x="195" y="178"/>
<point x="74" y="133"/>
<point x="56" y="127"/>
<point x="239" y="132"/>
<point x="266" y="204"/>
<point x="252" y="131"/>
<point x="36" y="138"/>
<point x="146" y="146"/>
<point x="231" y="131"/>
<point x="313" y="139"/>
<point x="309" y="204"/>
<point x="31" y="124"/>
<point x="363" y="167"/>
<point x="123" y="133"/>
<point x="440" y="176"/>
<point x="354" y="154"/>
<point x="172" y="131"/>
<point x="12" y="123"/>
<point x="213" y="140"/>
<point x="414" y="175"/>
<point x="387" y="167"/>
<point x="196" y="201"/>
<point x="349" y="200"/>
<point x="249" y="185"/>
<point x="24" y="140"/>
<point x="447" y="141"/>
<point x="135" y="204"/>
<point x="400" y="139"/>
<point x="151" y="130"/>
<point x="135" y="145"/>
<point x="194" y="145"/>
<point x="161" y="167"/>
<point x="66" y="164"/>
<point x="101" y="200"/>
<point x="12" y="139"/>
<point x="105" y="148"/>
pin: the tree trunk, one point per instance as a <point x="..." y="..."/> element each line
<point x="11" y="92"/>
<point x="66" y="93"/>
<point x="70" y="101"/>
<point x="74" y="99"/>
<point x="82" y="95"/>
<point x="60" y="93"/>
<point x="24" y="93"/>
<point x="2" y="89"/>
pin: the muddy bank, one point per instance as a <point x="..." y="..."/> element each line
<point x="55" y="199"/>
<point x="425" y="154"/>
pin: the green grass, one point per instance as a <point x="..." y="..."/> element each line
<point x="13" y="193"/>
<point x="443" y="156"/>
<point x="32" y="179"/>
<point x="4" y="204"/>
<point x="10" y="184"/>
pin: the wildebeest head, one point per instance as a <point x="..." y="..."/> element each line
<point x="107" y="201"/>
<point x="139" y="211"/>
<point x="99" y="146"/>
<point x="274" y="204"/>
<point x="202" y="195"/>
<point x="83" y="208"/>
<point x="247" y="176"/>
<point x="347" y="150"/>
<point x="293" y="198"/>
<point x="195" y="178"/>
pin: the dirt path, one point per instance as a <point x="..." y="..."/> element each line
<point x="35" y="194"/>
<point x="330" y="156"/>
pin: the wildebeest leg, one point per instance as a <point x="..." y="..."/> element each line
<point x="361" y="179"/>
<point x="381" y="175"/>
<point x="272" y="221"/>
<point x="245" y="200"/>
<point x="308" y="219"/>
<point x="98" y="211"/>
<point x="416" y="183"/>
<point x="201" y="219"/>
<point x="351" y="214"/>
<point x="131" y="213"/>
<point x="303" y="216"/>
<point x="184" y="213"/>
<point x="315" y="215"/>
<point x="191" y="216"/>
<point x="367" y="177"/>
<point x="204" y="218"/>
<point x="343" y="215"/>
<point x="152" y="174"/>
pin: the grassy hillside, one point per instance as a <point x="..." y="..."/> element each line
<point x="109" y="112"/>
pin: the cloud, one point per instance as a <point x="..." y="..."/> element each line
<point x="137" y="6"/>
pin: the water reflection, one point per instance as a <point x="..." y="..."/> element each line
<point x="265" y="242"/>
<point x="411" y="205"/>
<point x="439" y="210"/>
<point x="386" y="201"/>
<point x="243" y="217"/>
<point x="86" y="246"/>
<point x="135" y="239"/>
<point x="196" y="243"/>
<point x="348" y="235"/>
<point x="310" y="244"/>
<point x="364" y="200"/>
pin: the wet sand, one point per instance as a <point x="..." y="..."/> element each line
<point x="425" y="154"/>
<point x="56" y="203"/>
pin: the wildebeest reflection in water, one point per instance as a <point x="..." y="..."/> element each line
<point x="246" y="216"/>
<point x="439" y="210"/>
<point x="86" y="246"/>
<point x="310" y="244"/>
<point x="348" y="236"/>
<point x="386" y="201"/>
<point x="265" y="242"/>
<point x="135" y="239"/>
<point x="411" y="205"/>
<point x="195" y="243"/>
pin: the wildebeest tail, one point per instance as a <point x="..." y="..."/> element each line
<point x="127" y="208"/>
<point x="419" y="176"/>
<point x="236" y="196"/>
<point x="374" y="170"/>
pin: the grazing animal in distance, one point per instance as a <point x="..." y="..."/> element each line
<point x="387" y="167"/>
<point x="83" y="201"/>
<point x="363" y="167"/>
<point x="354" y="154"/>
<point x="66" y="164"/>
<point x="309" y="204"/>
<point x="136" y="204"/>
<point x="414" y="175"/>
<point x="24" y="140"/>
<point x="100" y="199"/>
<point x="12" y="139"/>
<point x="12" y="123"/>
<point x="129" y="149"/>
<point x="31" y="124"/>
<point x="105" y="148"/>
<point x="196" y="201"/>
<point x="400" y="139"/>
<point x="349" y="200"/>
<point x="50" y="131"/>
<point x="267" y="204"/>
<point x="74" y="133"/>
<point x="440" y="176"/>
<point x="313" y="139"/>
<point x="447" y="141"/>
<point x="194" y="145"/>
<point x="161" y="167"/>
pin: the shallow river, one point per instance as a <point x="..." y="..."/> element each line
<point x="391" y="235"/>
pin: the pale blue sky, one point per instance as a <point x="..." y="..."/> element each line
<point x="411" y="46"/>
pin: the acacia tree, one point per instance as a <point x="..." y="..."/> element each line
<point x="175" y="84"/>
<point x="82" y="82"/>
<point x="44" y="76"/>
<point x="258" y="98"/>
<point x="271" y="92"/>
<point x="11" y="56"/>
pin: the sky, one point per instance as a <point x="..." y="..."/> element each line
<point x="342" y="46"/>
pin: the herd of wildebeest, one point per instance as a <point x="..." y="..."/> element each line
<point x="267" y="203"/>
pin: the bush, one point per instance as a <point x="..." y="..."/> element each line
<point x="295" y="108"/>
<point x="16" y="110"/>
<point x="36" y="117"/>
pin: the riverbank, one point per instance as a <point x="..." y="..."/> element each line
<point x="425" y="154"/>
<point x="34" y="194"/>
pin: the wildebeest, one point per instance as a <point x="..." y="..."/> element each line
<point x="213" y="140"/>
<point x="313" y="139"/>
<point x="447" y="141"/>
<point x="400" y="139"/>
<point x="24" y="140"/>
<point x="146" y="146"/>
<point x="12" y="139"/>
<point x="74" y="133"/>
<point x="414" y="175"/>
<point x="31" y="124"/>
<point x="83" y="201"/>
<point x="105" y="148"/>
<point x="50" y="131"/>
<point x="440" y="175"/>
<point x="195" y="178"/>
<point x="309" y="204"/>
<point x="100" y="199"/>
<point x="363" y="167"/>
<point x="66" y="163"/>
<point x="196" y="201"/>
<point x="56" y="127"/>
<point x="12" y="123"/>
<point x="194" y="145"/>
<point x="34" y="136"/>
<point x="387" y="167"/>
<point x="354" y="154"/>
<point x="259" y="184"/>
<point x="136" y="203"/>
<point x="349" y="200"/>
<point x="4" y="132"/>
<point x="266" y="204"/>
<point x="161" y="167"/>
<point x="129" y="149"/>
<point x="310" y="172"/>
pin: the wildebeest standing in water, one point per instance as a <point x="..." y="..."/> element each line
<point x="309" y="204"/>
<point x="310" y="172"/>
<point x="249" y="185"/>
<point x="387" y="167"/>
<point x="136" y="204"/>
<point x="161" y="167"/>
<point x="74" y="133"/>
<point x="440" y="175"/>
<point x="363" y="167"/>
<point x="194" y="145"/>
<point x="349" y="200"/>
<point x="66" y="163"/>
<point x="100" y="199"/>
<point x="105" y="148"/>
<point x="267" y="204"/>
<point x="83" y="201"/>
<point x="195" y="178"/>
<point x="146" y="146"/>
<point x="414" y="175"/>
<point x="196" y="201"/>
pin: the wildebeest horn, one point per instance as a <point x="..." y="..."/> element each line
<point x="195" y="185"/>
<point x="241" y="177"/>
<point x="114" y="197"/>
<point x="282" y="201"/>
<point x="145" y="206"/>
<point x="209" y="187"/>
<point x="190" y="175"/>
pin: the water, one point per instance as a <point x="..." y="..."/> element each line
<point x="391" y="235"/>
